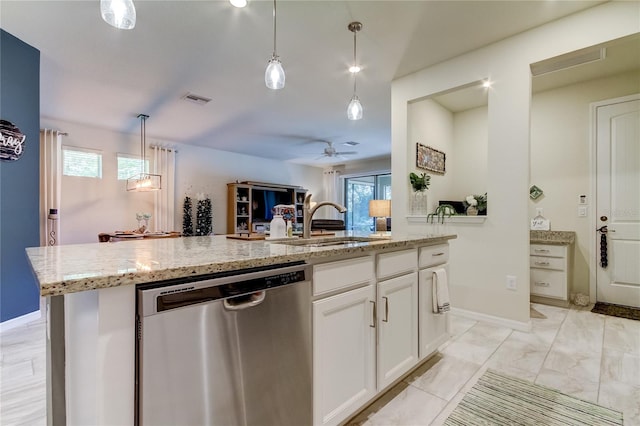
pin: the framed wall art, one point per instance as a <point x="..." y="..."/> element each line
<point x="430" y="159"/>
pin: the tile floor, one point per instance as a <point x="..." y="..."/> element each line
<point x="590" y="356"/>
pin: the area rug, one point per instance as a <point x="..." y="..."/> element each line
<point x="498" y="399"/>
<point x="616" y="311"/>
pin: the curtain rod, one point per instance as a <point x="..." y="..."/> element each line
<point x="57" y="131"/>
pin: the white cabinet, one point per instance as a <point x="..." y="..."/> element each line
<point x="434" y="328"/>
<point x="397" y="327"/>
<point x="343" y="354"/>
<point x="549" y="275"/>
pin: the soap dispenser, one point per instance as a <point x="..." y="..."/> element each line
<point x="540" y="223"/>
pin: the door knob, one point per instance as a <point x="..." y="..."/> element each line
<point x="603" y="218"/>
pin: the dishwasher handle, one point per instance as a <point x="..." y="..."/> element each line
<point x="244" y="302"/>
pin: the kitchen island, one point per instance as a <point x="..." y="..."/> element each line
<point x="91" y="297"/>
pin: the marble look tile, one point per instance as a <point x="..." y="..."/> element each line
<point x="622" y="397"/>
<point x="478" y="343"/>
<point x="459" y="325"/>
<point x="582" y="330"/>
<point x="580" y="388"/>
<point x="445" y="378"/>
<point x="620" y="367"/>
<point x="520" y="355"/>
<point x="574" y="362"/>
<point x="622" y="334"/>
<point x="412" y="406"/>
<point x="447" y="410"/>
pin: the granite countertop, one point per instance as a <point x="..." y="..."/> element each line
<point x="561" y="238"/>
<point x="80" y="267"/>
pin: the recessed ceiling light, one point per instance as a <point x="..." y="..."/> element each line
<point x="354" y="69"/>
<point x="238" y="3"/>
<point x="351" y="143"/>
<point x="486" y="84"/>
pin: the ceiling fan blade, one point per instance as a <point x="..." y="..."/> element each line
<point x="347" y="153"/>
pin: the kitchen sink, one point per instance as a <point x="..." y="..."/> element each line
<point x="333" y="241"/>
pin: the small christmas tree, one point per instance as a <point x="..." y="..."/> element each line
<point x="187" y="220"/>
<point x="203" y="217"/>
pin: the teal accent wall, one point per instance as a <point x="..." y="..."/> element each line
<point x="19" y="180"/>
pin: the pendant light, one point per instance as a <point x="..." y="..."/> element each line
<point x="354" y="109"/>
<point x="144" y="181"/>
<point x="118" y="13"/>
<point x="274" y="74"/>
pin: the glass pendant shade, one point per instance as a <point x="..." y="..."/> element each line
<point x="354" y="110"/>
<point x="274" y="75"/>
<point x="118" y="13"/>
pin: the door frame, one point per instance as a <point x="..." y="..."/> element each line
<point x="593" y="220"/>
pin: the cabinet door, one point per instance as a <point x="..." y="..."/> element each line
<point x="397" y="327"/>
<point x="343" y="354"/>
<point x="434" y="328"/>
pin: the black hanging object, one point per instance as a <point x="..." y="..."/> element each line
<point x="604" y="261"/>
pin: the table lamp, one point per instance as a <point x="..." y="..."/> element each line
<point x="381" y="210"/>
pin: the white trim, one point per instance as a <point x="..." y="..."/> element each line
<point x="514" y="325"/>
<point x="452" y="219"/>
<point x="593" y="110"/>
<point x="18" y="321"/>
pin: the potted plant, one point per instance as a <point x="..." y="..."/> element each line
<point x="419" y="183"/>
<point x="442" y="211"/>
<point x="475" y="204"/>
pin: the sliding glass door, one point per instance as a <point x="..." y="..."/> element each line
<point x="358" y="191"/>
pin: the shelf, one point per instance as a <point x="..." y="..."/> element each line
<point x="452" y="219"/>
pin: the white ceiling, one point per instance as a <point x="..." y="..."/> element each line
<point x="97" y="75"/>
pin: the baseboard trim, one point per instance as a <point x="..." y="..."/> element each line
<point x="515" y="325"/>
<point x="18" y="321"/>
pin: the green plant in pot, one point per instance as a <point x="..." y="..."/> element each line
<point x="419" y="183"/>
<point x="442" y="211"/>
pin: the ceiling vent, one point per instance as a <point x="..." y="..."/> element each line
<point x="568" y="61"/>
<point x="197" y="99"/>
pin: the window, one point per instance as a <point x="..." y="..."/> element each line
<point x="81" y="162"/>
<point x="129" y="165"/>
<point x="358" y="191"/>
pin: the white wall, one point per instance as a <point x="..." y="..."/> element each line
<point x="560" y="159"/>
<point x="469" y="153"/>
<point x="485" y="253"/>
<point x="430" y="124"/>
<point x="91" y="206"/>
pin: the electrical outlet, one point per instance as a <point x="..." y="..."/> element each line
<point x="511" y="282"/>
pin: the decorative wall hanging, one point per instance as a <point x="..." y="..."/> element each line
<point x="12" y="141"/>
<point x="535" y="192"/>
<point x="430" y="159"/>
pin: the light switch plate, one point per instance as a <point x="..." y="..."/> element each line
<point x="582" y="211"/>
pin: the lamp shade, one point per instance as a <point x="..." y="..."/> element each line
<point x="379" y="208"/>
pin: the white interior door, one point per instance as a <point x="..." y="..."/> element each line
<point x="618" y="201"/>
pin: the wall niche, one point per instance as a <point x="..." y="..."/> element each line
<point x="454" y="122"/>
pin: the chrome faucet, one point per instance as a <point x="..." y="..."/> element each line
<point x="308" y="212"/>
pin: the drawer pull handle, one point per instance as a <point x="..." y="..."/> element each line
<point x="541" y="250"/>
<point x="386" y="309"/>
<point x="437" y="254"/>
<point x="374" y="315"/>
<point x="541" y="284"/>
<point x="542" y="263"/>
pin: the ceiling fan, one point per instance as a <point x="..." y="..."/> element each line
<point x="330" y="151"/>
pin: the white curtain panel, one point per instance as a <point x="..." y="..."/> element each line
<point x="333" y="192"/>
<point x="50" y="185"/>
<point x="164" y="164"/>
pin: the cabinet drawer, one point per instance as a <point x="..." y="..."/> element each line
<point x="433" y="255"/>
<point x="549" y="283"/>
<point x="342" y="274"/>
<point x="397" y="262"/>
<point x="557" y="263"/>
<point x="547" y="250"/>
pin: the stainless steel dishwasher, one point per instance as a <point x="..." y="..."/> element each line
<point x="228" y="350"/>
